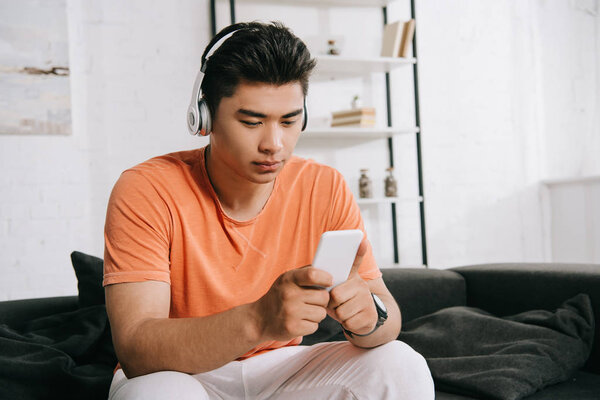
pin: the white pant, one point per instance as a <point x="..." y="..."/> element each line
<point x="332" y="371"/>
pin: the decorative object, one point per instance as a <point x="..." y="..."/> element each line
<point x="332" y="49"/>
<point x="356" y="102"/>
<point x="365" y="186"/>
<point x="391" y="186"/>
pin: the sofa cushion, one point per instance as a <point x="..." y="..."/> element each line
<point x="474" y="353"/>
<point x="420" y="291"/>
<point x="89" y="270"/>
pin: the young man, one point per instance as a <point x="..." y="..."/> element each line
<point x="208" y="284"/>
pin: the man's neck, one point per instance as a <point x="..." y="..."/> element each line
<point x="240" y="199"/>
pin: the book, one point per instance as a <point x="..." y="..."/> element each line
<point x="364" y="116"/>
<point x="392" y="36"/>
<point x="353" y="112"/>
<point x="364" y="124"/>
<point x="354" y="121"/>
<point x="408" y="32"/>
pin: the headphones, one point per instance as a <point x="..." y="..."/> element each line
<point x="198" y="115"/>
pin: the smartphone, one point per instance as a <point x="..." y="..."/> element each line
<point x="336" y="252"/>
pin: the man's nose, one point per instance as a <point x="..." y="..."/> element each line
<point x="272" y="140"/>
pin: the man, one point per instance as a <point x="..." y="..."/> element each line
<point x="208" y="284"/>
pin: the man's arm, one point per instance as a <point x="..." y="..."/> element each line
<point x="146" y="340"/>
<point x="351" y="305"/>
<point x="390" y="329"/>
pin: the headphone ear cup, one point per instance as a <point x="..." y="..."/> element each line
<point x="205" y="123"/>
<point x="304" y="117"/>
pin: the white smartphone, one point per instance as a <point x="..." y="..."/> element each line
<point x="336" y="252"/>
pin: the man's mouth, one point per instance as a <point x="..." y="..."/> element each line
<point x="268" y="165"/>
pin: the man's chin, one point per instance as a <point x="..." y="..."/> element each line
<point x="264" y="177"/>
<point x="260" y="175"/>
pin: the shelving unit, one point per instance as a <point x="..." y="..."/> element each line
<point x="343" y="66"/>
<point x="339" y="66"/>
<point x="389" y="200"/>
<point x="356" y="133"/>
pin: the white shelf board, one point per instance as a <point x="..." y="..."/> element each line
<point x="331" y="3"/>
<point x="389" y="200"/>
<point x="333" y="66"/>
<point x="355" y="133"/>
<point x="572" y="180"/>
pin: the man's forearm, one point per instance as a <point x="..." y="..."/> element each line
<point x="191" y="345"/>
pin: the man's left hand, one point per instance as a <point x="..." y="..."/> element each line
<point x="351" y="303"/>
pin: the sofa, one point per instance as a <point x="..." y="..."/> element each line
<point x="513" y="295"/>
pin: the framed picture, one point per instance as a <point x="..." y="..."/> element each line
<point x="34" y="70"/>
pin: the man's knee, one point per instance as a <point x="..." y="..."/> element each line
<point x="158" y="385"/>
<point x="401" y="369"/>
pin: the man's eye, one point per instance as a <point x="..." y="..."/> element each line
<point x="249" y="123"/>
<point x="288" y="123"/>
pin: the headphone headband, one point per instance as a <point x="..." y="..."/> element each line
<point x="214" y="48"/>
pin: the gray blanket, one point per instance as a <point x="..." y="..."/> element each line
<point x="473" y="353"/>
<point x="61" y="356"/>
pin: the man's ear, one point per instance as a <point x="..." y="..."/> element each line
<point x="304" y="116"/>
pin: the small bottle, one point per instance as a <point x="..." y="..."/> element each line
<point x="365" y="186"/>
<point x="332" y="48"/>
<point x="391" y="186"/>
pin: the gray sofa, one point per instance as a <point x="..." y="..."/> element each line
<point x="506" y="289"/>
<point x="500" y="289"/>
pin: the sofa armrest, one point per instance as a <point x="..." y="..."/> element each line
<point x="420" y="292"/>
<point x="15" y="313"/>
<point x="506" y="289"/>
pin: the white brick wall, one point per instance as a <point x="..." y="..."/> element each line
<point x="503" y="105"/>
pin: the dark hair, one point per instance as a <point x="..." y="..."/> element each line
<point x="255" y="52"/>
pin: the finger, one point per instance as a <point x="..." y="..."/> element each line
<point x="314" y="313"/>
<point x="360" y="254"/>
<point x="310" y="276"/>
<point x="360" y="323"/>
<point x="306" y="328"/>
<point x="341" y="293"/>
<point x="316" y="297"/>
<point x="349" y="309"/>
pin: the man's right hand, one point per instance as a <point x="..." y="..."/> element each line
<point x="294" y="305"/>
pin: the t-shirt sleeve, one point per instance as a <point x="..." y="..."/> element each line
<point x="136" y="232"/>
<point x="345" y="214"/>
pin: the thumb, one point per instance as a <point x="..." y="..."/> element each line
<point x="360" y="254"/>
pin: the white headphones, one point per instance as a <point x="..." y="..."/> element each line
<point x="198" y="115"/>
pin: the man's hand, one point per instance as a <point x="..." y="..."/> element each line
<point x="294" y="305"/>
<point x="351" y="303"/>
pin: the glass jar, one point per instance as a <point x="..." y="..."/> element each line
<point x="365" y="186"/>
<point x="332" y="49"/>
<point x="391" y="186"/>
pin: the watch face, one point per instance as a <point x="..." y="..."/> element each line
<point x="379" y="302"/>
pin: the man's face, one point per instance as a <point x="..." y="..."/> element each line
<point x="256" y="129"/>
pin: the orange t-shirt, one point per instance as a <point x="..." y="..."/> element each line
<point x="164" y="222"/>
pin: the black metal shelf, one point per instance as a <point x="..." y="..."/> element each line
<point x="390" y="138"/>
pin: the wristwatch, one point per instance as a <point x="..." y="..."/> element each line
<point x="382" y="316"/>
